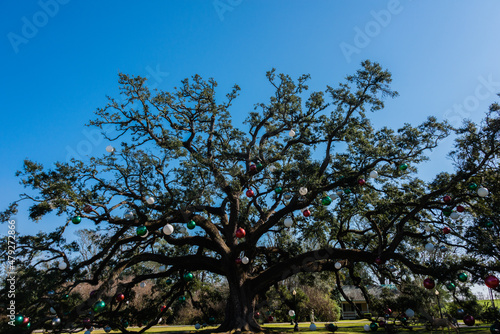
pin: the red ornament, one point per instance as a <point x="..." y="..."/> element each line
<point x="446" y="230"/>
<point x="460" y="208"/>
<point x="240" y="233"/>
<point x="250" y="193"/>
<point x="163" y="308"/>
<point x="381" y="323"/>
<point x="238" y="261"/>
<point x="86" y="323"/>
<point x="120" y="297"/>
<point x="26" y="320"/>
<point x="388" y="311"/>
<point x="270" y="318"/>
<point x="378" y="260"/>
<point x="361" y="182"/>
<point x="257" y="314"/>
<point x="429" y="283"/>
<point x="491" y="281"/>
<point x="253" y="167"/>
<point x="469" y="320"/>
<point x="446" y="199"/>
<point x="306" y="213"/>
<point x="87" y="209"/>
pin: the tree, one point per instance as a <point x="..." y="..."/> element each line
<point x="182" y="163"/>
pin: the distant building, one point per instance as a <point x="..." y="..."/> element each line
<point x="356" y="296"/>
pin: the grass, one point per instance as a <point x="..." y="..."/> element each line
<point x="345" y="327"/>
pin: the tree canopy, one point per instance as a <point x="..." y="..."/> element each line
<point x="307" y="184"/>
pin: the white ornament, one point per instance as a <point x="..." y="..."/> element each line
<point x="168" y="229"/>
<point x="110" y="149"/>
<point x="62" y="265"/>
<point x="312" y="327"/>
<point x="373" y="174"/>
<point x="245" y="260"/>
<point x="150" y="200"/>
<point x="142" y="285"/>
<point x="338" y="265"/>
<point x="291" y="313"/>
<point x="303" y="191"/>
<point x="410" y="313"/>
<point x="483" y="192"/>
<point x="429" y="247"/>
<point x="291" y="133"/>
<point x="271" y="168"/>
<point x="454" y="215"/>
<point x="145" y="235"/>
<point x="366" y="328"/>
<point x="288" y="222"/>
<point x="52" y="310"/>
<point x="129" y="215"/>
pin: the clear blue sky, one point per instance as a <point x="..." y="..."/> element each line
<point x="60" y="61"/>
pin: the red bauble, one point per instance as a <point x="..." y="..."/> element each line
<point x="270" y="318"/>
<point x="381" y="323"/>
<point x="26" y="320"/>
<point x="446" y="230"/>
<point x="253" y="167"/>
<point x="306" y="213"/>
<point x="429" y="283"/>
<point x="240" y="233"/>
<point x="388" y="311"/>
<point x="491" y="281"/>
<point x="250" y="193"/>
<point x="469" y="320"/>
<point x="163" y="308"/>
<point x="238" y="261"/>
<point x="120" y="297"/>
<point x="87" y="209"/>
<point x="378" y="260"/>
<point x="460" y="208"/>
<point x="446" y="199"/>
<point x="257" y="314"/>
<point x="361" y="182"/>
<point x="86" y="323"/>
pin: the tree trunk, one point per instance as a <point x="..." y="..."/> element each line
<point x="240" y="307"/>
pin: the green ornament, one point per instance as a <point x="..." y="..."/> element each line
<point x="66" y="296"/>
<point x="28" y="325"/>
<point x="169" y="281"/>
<point x="373" y="327"/>
<point x="462" y="277"/>
<point x="125" y="323"/>
<point x="259" y="166"/>
<point x="472" y="186"/>
<point x="326" y="200"/>
<point x="191" y="224"/>
<point x="211" y="320"/>
<point x="142" y="230"/>
<point x="403" y="166"/>
<point x="347" y="191"/>
<point x="18" y="320"/>
<point x="76" y="220"/>
<point x="188" y="277"/>
<point x="489" y="224"/>
<point x="450" y="286"/>
<point x="99" y="306"/>
<point x="182" y="298"/>
<point x="495" y="328"/>
<point x="278" y="190"/>
<point x="447" y="212"/>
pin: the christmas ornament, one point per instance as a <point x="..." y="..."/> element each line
<point x="52" y="310"/>
<point x="240" y="233"/>
<point x="429" y="247"/>
<point x="238" y="261"/>
<point x="129" y="215"/>
<point x="312" y="327"/>
<point x="191" y="224"/>
<point x="107" y="329"/>
<point x="450" y="286"/>
<point x="62" y="265"/>
<point x="303" y="191"/>
<point x="245" y="260"/>
<point x="338" y="265"/>
<point x="168" y="229"/>
<point x="110" y="149"/>
<point x="291" y="133"/>
<point x="373" y="174"/>
<point x="429" y="283"/>
<point x="18" y="320"/>
<point x="469" y="320"/>
<point x="287" y="196"/>
<point x="270" y="318"/>
<point x="259" y="166"/>
<point x="288" y="222"/>
<point x="56" y="322"/>
<point x="326" y="200"/>
<point x="489" y="224"/>
<point x="366" y="328"/>
<point x="392" y="268"/>
<point x="446" y="199"/>
<point x="491" y="282"/>
<point x="253" y="167"/>
<point x="150" y="200"/>
<point x="197" y="326"/>
<point x="454" y="215"/>
<point x="482" y="192"/>
<point x="278" y="190"/>
<point x="472" y="186"/>
<point x="446" y="230"/>
<point x="347" y="191"/>
<point x="361" y="182"/>
<point x="443" y="248"/>
<point x="373" y="326"/>
<point x="272" y="168"/>
<point x="250" y="193"/>
<point x="291" y="313"/>
<point x="99" y="306"/>
<point x="409" y="313"/>
<point x="188" y="277"/>
<point x="141" y="230"/>
<point x="120" y="297"/>
<point x="447" y="212"/>
<point x="87" y="209"/>
<point x="306" y="213"/>
<point x="462" y="277"/>
<point x="76" y="220"/>
<point x="142" y="285"/>
<point x="162" y="268"/>
<point x="460" y="208"/>
<point x="403" y="166"/>
<point x="168" y="281"/>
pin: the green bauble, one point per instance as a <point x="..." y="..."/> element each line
<point x="403" y="166"/>
<point x="76" y="220"/>
<point x="125" y="323"/>
<point x="462" y="277"/>
<point x="347" y="191"/>
<point x="278" y="190"/>
<point x="182" y="298"/>
<point x="99" y="306"/>
<point x="259" y="166"/>
<point x="447" y="212"/>
<point x="66" y="296"/>
<point x="211" y="320"/>
<point x="188" y="277"/>
<point x="373" y="327"/>
<point x="450" y="286"/>
<point x="28" y="325"/>
<point x="168" y="281"/>
<point x="191" y="224"/>
<point x="142" y="230"/>
<point x="472" y="186"/>
<point x="18" y="320"/>
<point x="326" y="200"/>
<point x="489" y="224"/>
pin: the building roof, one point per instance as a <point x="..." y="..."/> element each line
<point x="356" y="295"/>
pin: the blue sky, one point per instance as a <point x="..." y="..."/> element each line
<point x="60" y="58"/>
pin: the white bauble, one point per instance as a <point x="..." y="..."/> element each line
<point x="482" y="192"/>
<point x="338" y="265"/>
<point x="63" y="265"/>
<point x="373" y="174"/>
<point x="271" y="168"/>
<point x="150" y="200"/>
<point x="288" y="222"/>
<point x="410" y="313"/>
<point x="291" y="313"/>
<point x="110" y="149"/>
<point x="245" y="260"/>
<point x="367" y="328"/>
<point x="303" y="191"/>
<point x="312" y="327"/>
<point x="291" y="133"/>
<point x="143" y="284"/>
<point x="429" y="247"/>
<point x="145" y="235"/>
<point x="168" y="229"/>
<point x="454" y="215"/>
